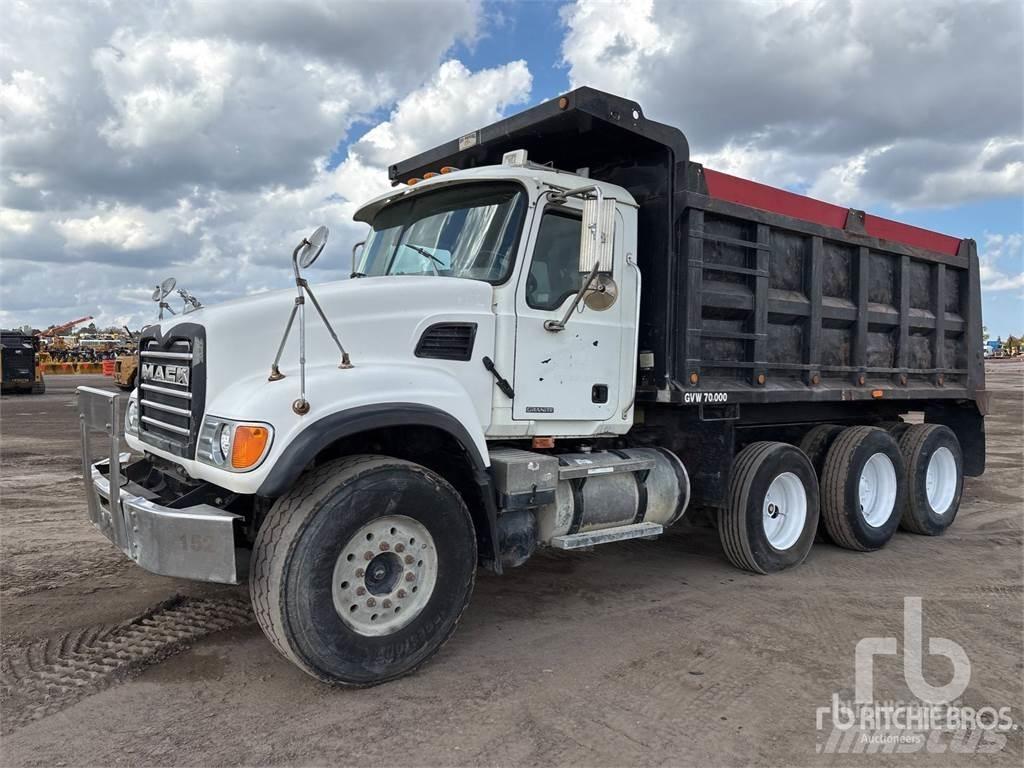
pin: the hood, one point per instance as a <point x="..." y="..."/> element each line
<point x="377" y="319"/>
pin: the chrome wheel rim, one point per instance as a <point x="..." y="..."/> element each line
<point x="385" y="575"/>
<point x="940" y="480"/>
<point x="876" y="490"/>
<point x="784" y="511"/>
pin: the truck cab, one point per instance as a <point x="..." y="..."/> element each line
<point x="558" y="332"/>
<point x="510" y="227"/>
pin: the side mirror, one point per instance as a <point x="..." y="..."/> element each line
<point x="311" y="247"/>
<point x="356" y="249"/>
<point x="597" y="239"/>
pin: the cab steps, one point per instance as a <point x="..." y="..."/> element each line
<point x="607" y="535"/>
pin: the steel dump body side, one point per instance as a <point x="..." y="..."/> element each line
<point x="760" y="305"/>
<point x="781" y="309"/>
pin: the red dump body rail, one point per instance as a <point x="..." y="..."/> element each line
<point x="736" y="190"/>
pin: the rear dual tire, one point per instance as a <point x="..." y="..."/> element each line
<point x="934" y="478"/>
<point x="862" y="488"/>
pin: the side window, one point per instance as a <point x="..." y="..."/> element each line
<point x="554" y="272"/>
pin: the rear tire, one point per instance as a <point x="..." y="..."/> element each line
<point x="862" y="488"/>
<point x="817" y="441"/>
<point x="771" y="515"/>
<point x="815" y="445"/>
<point x="361" y="572"/>
<point x="934" y="478"/>
<point x="895" y="428"/>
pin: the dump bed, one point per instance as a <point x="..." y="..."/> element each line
<point x="753" y="294"/>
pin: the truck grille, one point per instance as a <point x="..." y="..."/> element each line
<point x="171" y="388"/>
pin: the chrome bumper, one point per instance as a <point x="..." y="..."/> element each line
<point x="195" y="542"/>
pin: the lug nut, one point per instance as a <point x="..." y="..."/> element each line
<point x="360" y="573"/>
<point x="399" y="547"/>
<point x="401" y="594"/>
<point x="409" y="559"/>
<point x="410" y="576"/>
<point x="368" y="556"/>
<point x="370" y="603"/>
<point x="360" y="590"/>
<point x="386" y="604"/>
<point x="384" y="546"/>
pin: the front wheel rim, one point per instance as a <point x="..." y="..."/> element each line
<point x="940" y="480"/>
<point x="385" y="575"/>
<point x="876" y="490"/>
<point x="784" y="511"/>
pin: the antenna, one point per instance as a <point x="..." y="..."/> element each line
<point x="160" y="294"/>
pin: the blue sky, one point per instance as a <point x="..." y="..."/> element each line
<point x="188" y="139"/>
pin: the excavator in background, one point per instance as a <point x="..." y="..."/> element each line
<point x="52" y="335"/>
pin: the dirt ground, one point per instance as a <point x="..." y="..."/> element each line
<point x="636" y="653"/>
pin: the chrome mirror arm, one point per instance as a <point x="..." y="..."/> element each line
<point x="302" y="288"/>
<point x="559" y="325"/>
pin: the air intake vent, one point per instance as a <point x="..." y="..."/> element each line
<point x="447" y="341"/>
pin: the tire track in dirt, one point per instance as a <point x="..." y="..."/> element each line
<point x="46" y="676"/>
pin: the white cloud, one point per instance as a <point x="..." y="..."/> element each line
<point x="862" y="101"/>
<point x="162" y="90"/>
<point x="120" y="227"/>
<point x="455" y="101"/>
<point x="996" y="252"/>
<point x="17" y="222"/>
<point x="191" y="140"/>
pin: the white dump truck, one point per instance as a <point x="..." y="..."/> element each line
<point x="559" y="332"/>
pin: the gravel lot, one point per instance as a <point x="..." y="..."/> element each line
<point x="636" y="653"/>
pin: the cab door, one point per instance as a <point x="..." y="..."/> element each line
<point x="572" y="374"/>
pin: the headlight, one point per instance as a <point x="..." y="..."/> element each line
<point x="223" y="450"/>
<point x="131" y="418"/>
<point x="233" y="445"/>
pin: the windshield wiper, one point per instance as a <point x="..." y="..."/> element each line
<point x="424" y="252"/>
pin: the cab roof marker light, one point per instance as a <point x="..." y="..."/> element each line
<point x="429" y="175"/>
<point x="514" y="159"/>
<point x="448" y="169"/>
<point x="413" y="181"/>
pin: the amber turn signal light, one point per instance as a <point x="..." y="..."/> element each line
<point x="248" y="445"/>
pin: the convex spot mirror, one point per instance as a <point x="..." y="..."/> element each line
<point x="311" y="247"/>
<point x="161" y="291"/>
<point x="598" y="236"/>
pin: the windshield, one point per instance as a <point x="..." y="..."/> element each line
<point x="470" y="231"/>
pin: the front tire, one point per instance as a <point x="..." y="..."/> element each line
<point x="934" y="478"/>
<point x="361" y="572"/>
<point x="771" y="515"/>
<point x="862" y="488"/>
